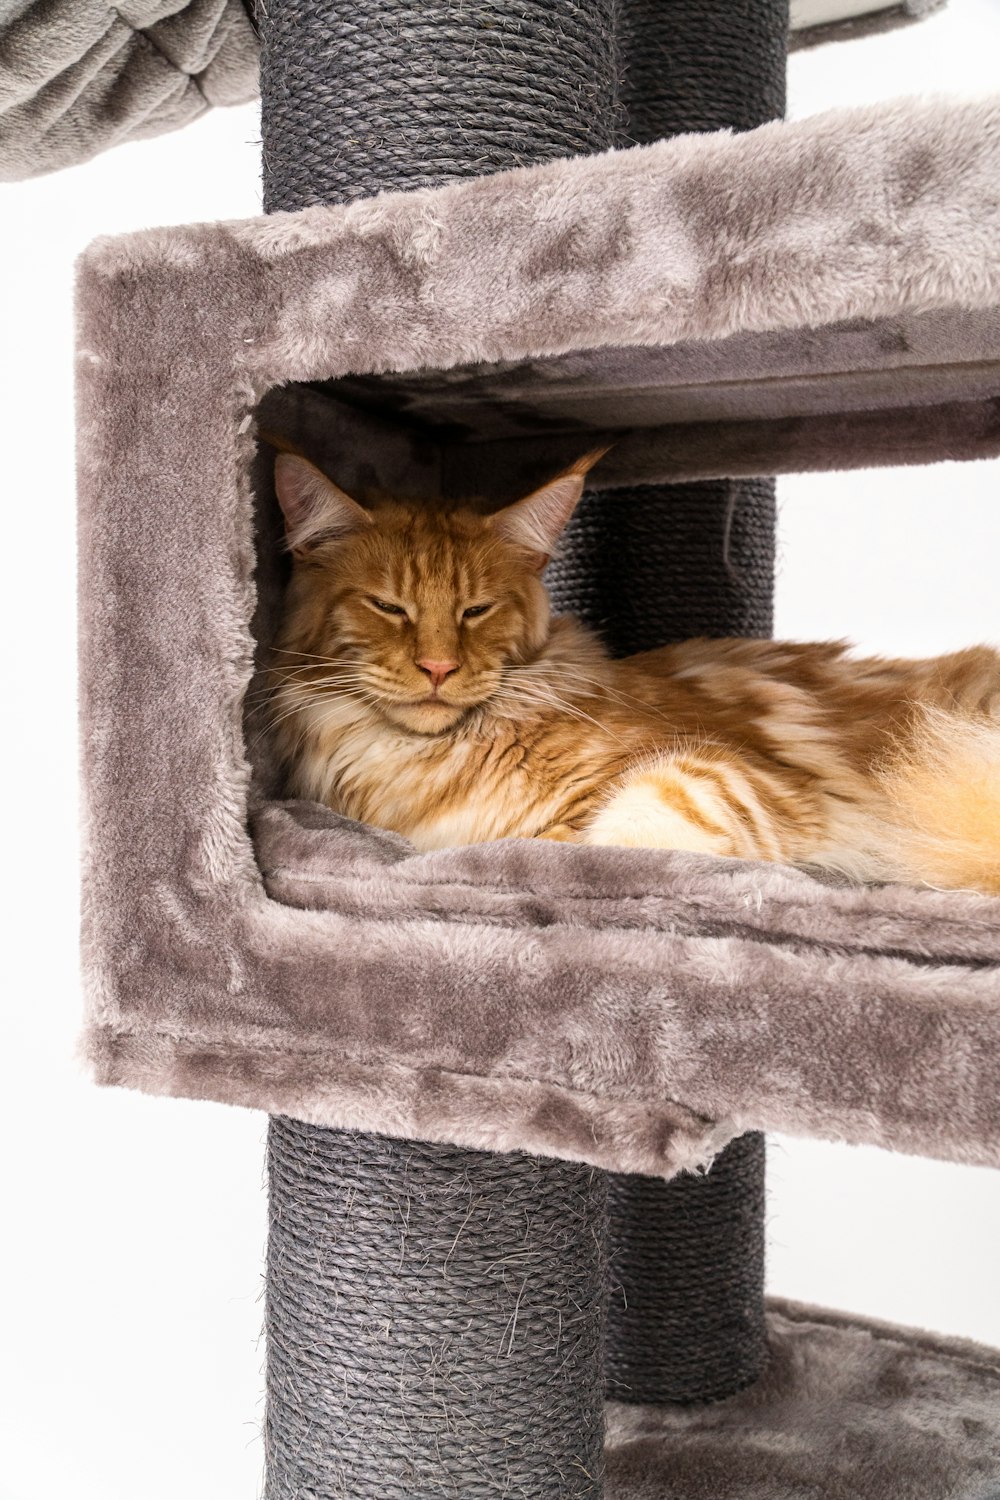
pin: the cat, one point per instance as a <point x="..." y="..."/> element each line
<point x="422" y="685"/>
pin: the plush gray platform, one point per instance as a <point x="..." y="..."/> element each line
<point x="798" y="296"/>
<point x="847" y="1410"/>
<point x="844" y="269"/>
<point x="80" y="76"/>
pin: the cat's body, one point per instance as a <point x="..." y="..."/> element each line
<point x="400" y="704"/>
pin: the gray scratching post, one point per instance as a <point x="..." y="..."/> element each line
<point x="433" y="1322"/>
<point x="434" y="1316"/>
<point x="360" y="96"/>
<point x="647" y="566"/>
<point x="701" y="65"/>
<point x="658" y="563"/>
<point x="686" y="1315"/>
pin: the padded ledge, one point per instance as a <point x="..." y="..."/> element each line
<point x="847" y="1410"/>
<point x="597" y="1004"/>
<point x="720" y="304"/>
<point x="628" y="1008"/>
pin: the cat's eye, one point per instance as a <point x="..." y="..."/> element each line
<point x="475" y="610"/>
<point x="386" y="607"/>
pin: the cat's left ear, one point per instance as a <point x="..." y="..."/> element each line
<point x="315" y="509"/>
<point x="537" y="522"/>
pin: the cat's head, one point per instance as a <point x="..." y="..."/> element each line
<point x="422" y="609"/>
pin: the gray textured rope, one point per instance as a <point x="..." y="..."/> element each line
<point x="652" y="565"/>
<point x="415" y="1294"/>
<point x="701" y="65"/>
<point x="660" y="563"/>
<point x="361" y="95"/>
<point x="687" y="1300"/>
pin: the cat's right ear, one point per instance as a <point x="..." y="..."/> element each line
<point x="536" y="523"/>
<point x="315" y="509"/>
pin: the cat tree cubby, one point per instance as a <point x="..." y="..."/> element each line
<point x="183" y="331"/>
<point x="816" y="295"/>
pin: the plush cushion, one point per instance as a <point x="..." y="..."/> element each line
<point x="78" y="76"/>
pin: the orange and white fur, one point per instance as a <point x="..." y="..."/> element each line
<point x="423" y="686"/>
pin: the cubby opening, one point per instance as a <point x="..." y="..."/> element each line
<point x="853" y="394"/>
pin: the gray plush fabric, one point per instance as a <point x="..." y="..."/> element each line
<point x="905" y="389"/>
<point x="632" y="1009"/>
<point x="847" y="1410"/>
<point x="78" y="76"/>
<point x="811" y="25"/>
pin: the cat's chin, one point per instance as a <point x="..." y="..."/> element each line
<point x="428" y="716"/>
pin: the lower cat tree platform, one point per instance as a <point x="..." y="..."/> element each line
<point x="846" y="1410"/>
<point x="813" y="295"/>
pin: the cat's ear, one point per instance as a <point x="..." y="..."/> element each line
<point x="537" y="522"/>
<point x="315" y="509"/>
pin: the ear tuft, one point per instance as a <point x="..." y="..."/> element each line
<point x="315" y="509"/>
<point x="537" y="522"/>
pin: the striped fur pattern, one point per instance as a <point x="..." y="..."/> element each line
<point x="421" y="685"/>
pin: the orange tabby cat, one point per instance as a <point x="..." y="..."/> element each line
<point x="424" y="687"/>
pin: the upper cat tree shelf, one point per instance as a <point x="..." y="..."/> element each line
<point x="819" y="294"/>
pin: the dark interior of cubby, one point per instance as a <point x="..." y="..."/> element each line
<point x="907" y="389"/>
<point x="911" y="388"/>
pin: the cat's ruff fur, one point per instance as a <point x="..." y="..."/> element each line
<point x="422" y="687"/>
<point x="596" y="1003"/>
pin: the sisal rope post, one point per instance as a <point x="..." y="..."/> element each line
<point x="434" y="1316"/>
<point x="647" y="566"/>
<point x="433" y="1322"/>
<point x="686" y="1313"/>
<point x="361" y="96"/>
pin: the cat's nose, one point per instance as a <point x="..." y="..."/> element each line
<point x="437" y="671"/>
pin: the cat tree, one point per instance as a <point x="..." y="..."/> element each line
<point x="484" y="1063"/>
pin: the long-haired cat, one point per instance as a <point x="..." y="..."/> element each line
<point x="423" y="686"/>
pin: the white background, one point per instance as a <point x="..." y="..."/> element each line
<point x="134" y="1227"/>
